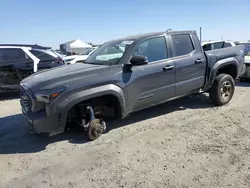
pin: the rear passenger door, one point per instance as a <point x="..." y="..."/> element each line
<point x="190" y="63"/>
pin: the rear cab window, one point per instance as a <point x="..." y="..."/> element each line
<point x="183" y="45"/>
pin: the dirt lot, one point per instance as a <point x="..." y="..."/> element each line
<point x="185" y="143"/>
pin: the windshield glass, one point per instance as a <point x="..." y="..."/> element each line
<point x="87" y="52"/>
<point x="109" y="53"/>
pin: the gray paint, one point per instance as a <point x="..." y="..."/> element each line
<point x="136" y="88"/>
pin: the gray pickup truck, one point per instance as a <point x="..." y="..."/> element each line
<point x="126" y="75"/>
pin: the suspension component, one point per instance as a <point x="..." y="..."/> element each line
<point x="96" y="127"/>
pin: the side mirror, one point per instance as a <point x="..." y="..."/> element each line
<point x="138" y="60"/>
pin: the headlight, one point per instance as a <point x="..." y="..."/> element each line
<point x="48" y="95"/>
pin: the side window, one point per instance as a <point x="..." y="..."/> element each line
<point x="207" y="47"/>
<point x="217" y="45"/>
<point x="12" y="54"/>
<point x="227" y="44"/>
<point x="154" y="49"/>
<point x="183" y="44"/>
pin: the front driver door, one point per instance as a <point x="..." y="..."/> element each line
<point x="154" y="82"/>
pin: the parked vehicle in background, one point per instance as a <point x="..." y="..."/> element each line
<point x="18" y="62"/>
<point x="58" y="54"/>
<point x="214" y="45"/>
<point x="151" y="69"/>
<point x="246" y="75"/>
<point x="72" y="59"/>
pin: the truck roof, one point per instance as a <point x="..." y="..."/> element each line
<point x="145" y="35"/>
<point x="15" y="47"/>
<point x="27" y="45"/>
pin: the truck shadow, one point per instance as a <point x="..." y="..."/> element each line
<point x="9" y="95"/>
<point x="189" y="102"/>
<point x="16" y="138"/>
<point x="243" y="83"/>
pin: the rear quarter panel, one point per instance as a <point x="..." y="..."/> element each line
<point x="221" y="57"/>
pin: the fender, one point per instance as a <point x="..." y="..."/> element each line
<point x="219" y="64"/>
<point x="67" y="103"/>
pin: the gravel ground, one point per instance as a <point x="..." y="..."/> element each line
<point x="185" y="143"/>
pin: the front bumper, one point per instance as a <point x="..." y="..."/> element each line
<point x="40" y="122"/>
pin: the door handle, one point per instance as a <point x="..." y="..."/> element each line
<point x="168" y="67"/>
<point x="199" y="61"/>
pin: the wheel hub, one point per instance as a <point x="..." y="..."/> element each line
<point x="96" y="128"/>
<point x="226" y="90"/>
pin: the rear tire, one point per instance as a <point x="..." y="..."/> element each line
<point x="222" y="89"/>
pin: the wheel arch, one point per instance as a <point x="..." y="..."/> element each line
<point x="226" y="66"/>
<point x="86" y="95"/>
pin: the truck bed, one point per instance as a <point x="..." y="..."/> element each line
<point x="216" y="55"/>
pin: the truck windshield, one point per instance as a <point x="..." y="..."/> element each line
<point x="109" y="53"/>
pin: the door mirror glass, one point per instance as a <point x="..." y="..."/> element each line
<point x="139" y="60"/>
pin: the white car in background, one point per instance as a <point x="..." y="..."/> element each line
<point x="58" y="54"/>
<point x="72" y="59"/>
<point x="247" y="60"/>
<point x="213" y="45"/>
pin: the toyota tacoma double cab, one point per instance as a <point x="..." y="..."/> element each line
<point x="126" y="75"/>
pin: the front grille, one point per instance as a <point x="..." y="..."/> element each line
<point x="25" y="100"/>
<point x="27" y="104"/>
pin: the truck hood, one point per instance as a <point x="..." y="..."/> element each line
<point x="64" y="76"/>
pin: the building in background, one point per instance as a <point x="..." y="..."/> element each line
<point x="74" y="47"/>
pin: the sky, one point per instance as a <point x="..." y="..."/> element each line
<point x="52" y="22"/>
